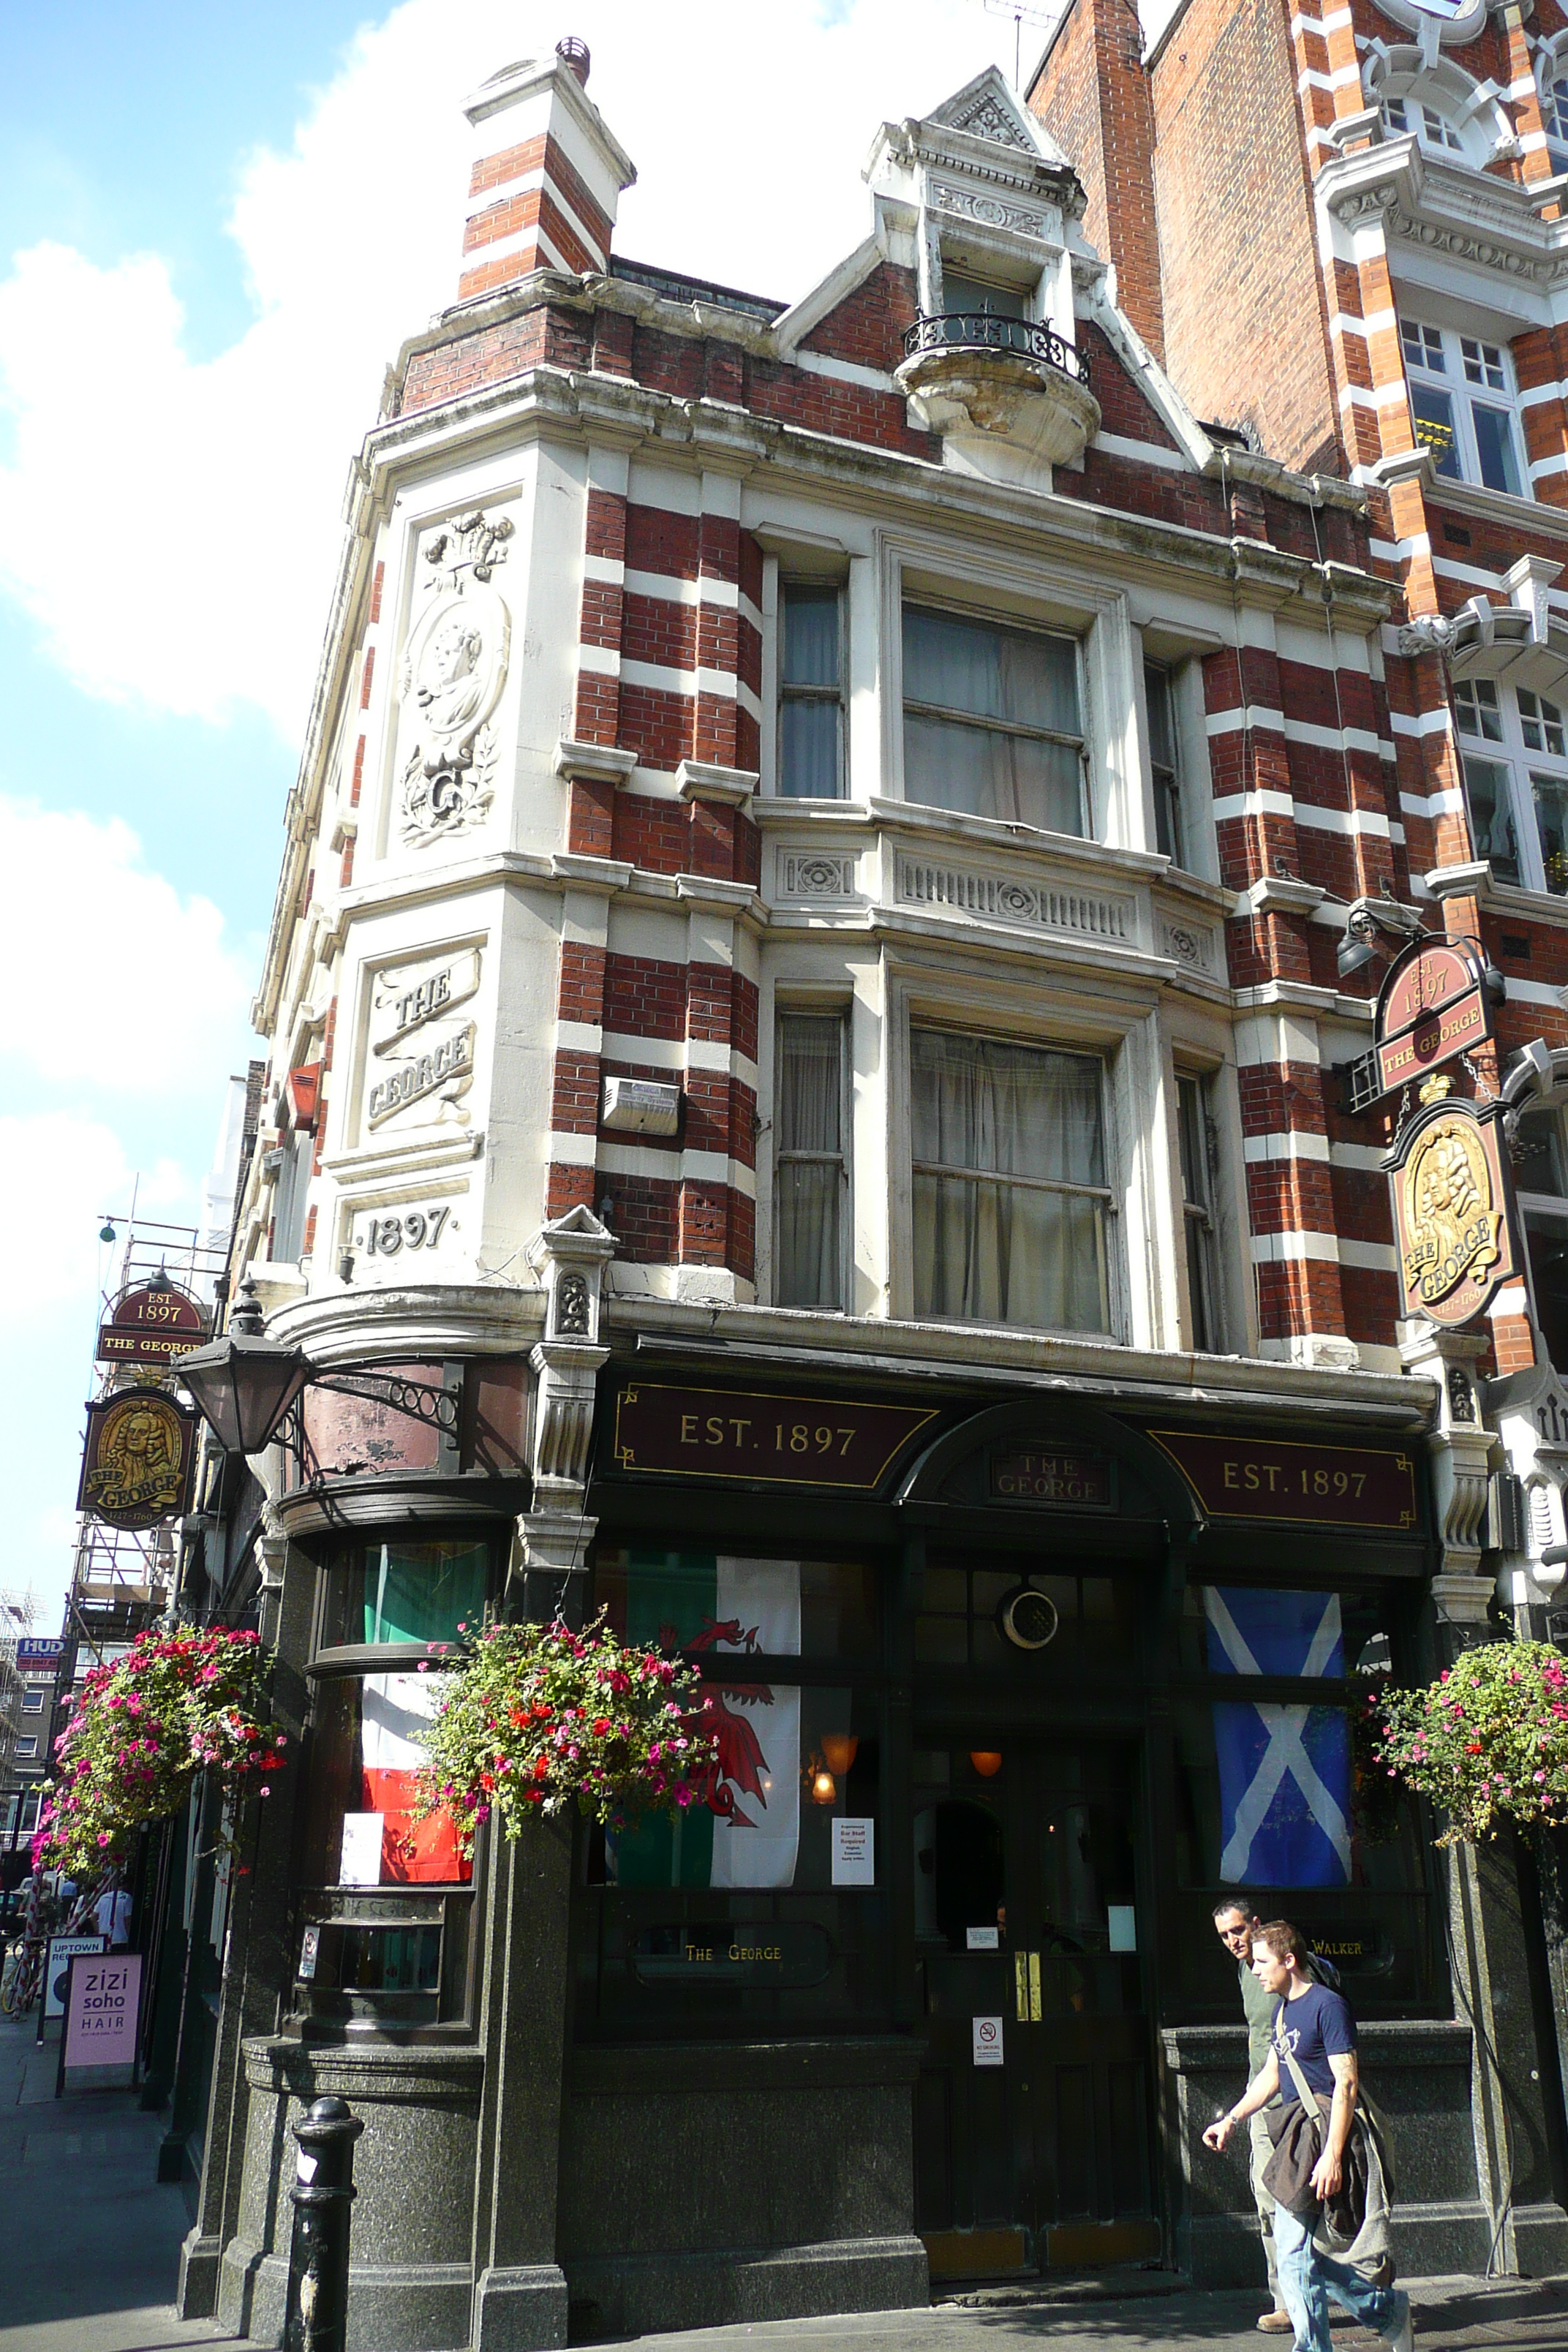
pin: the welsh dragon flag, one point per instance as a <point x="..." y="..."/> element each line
<point x="747" y="1833"/>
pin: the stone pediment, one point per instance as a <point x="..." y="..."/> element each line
<point x="987" y="108"/>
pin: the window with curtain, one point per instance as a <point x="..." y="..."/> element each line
<point x="1010" y="1201"/>
<point x="811" y="692"/>
<point x="1194" y="1126"/>
<point x="1157" y="697"/>
<point x="811" y="1176"/>
<point x="992" y="722"/>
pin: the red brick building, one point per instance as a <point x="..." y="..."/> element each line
<point x="803" y="1016"/>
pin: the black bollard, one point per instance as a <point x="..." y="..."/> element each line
<point x="322" y="2193"/>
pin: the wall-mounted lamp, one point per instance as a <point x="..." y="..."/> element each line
<point x="820" y="1786"/>
<point x="986" y="1761"/>
<point x="840" y="1750"/>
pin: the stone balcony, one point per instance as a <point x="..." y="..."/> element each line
<point x="1006" y="394"/>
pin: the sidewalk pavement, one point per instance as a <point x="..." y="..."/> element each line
<point x="92" y="2241"/>
<point x="92" y="2247"/>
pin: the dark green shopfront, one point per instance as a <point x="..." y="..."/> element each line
<point x="1009" y="1694"/>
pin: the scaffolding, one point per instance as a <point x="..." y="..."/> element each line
<point x="123" y="1581"/>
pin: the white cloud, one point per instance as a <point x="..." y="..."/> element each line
<point x="60" y="1174"/>
<point x="188" y="564"/>
<point x="78" y="906"/>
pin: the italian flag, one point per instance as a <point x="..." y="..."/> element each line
<point x="391" y="1757"/>
<point x="748" y="1833"/>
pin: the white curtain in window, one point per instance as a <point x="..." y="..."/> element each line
<point x="990" y="1251"/>
<point x="993" y="673"/>
<point x="810" y="1100"/>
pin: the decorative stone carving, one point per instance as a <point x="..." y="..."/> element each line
<point x="984" y="117"/>
<point x="421" y="1060"/>
<point x="569" y="1255"/>
<point x="1005" y="898"/>
<point x="1188" y="943"/>
<point x="573" y="1307"/>
<point x="812" y="875"/>
<point x="1429" y="632"/>
<point x="1461" y="1451"/>
<point x="991" y="212"/>
<point x="454" y="668"/>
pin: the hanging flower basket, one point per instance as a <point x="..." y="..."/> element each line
<point x="1487" y="1741"/>
<point x="177" y="1705"/>
<point x="536" y="1717"/>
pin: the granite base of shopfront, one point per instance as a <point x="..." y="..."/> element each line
<point x="1421" y="2076"/>
<point x="411" y="2275"/>
<point x="796" y="2165"/>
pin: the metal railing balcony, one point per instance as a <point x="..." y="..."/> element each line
<point x="988" y="330"/>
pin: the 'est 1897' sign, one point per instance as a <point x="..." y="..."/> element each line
<point x="775" y="1438"/>
<point x="151" y="1325"/>
<point x="1432" y="1006"/>
<point x="1279" y="1478"/>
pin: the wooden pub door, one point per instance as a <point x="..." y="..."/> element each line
<point x="1034" y="2133"/>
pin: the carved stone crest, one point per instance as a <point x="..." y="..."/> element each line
<point x="454" y="668"/>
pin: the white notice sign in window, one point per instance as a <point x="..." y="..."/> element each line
<point x="853" y="1852"/>
<point x="987" y="2040"/>
<point x="360" y="1864"/>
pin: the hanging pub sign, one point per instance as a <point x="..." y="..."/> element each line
<point x="1453" y="1221"/>
<point x="1432" y="1006"/>
<point x="136" y="1464"/>
<point x="151" y="1325"/>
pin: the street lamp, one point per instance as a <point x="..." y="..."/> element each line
<point x="244" y="1383"/>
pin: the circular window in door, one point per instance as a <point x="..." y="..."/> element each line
<point x="1027" y="1618"/>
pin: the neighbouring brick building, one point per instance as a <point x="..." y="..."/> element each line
<point x="803" y="1012"/>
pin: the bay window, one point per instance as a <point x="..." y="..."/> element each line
<point x="1513" y="744"/>
<point x="1010" y="1201"/>
<point x="811" y="1172"/>
<point x="992" y="722"/>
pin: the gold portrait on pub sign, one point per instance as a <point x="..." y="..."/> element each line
<point x="1454" y="1245"/>
<point x="137" y="1449"/>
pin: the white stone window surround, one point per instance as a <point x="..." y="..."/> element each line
<point x="1472" y="126"/>
<point x="1118" y="790"/>
<point x="1550" y="64"/>
<point x="1522" y="734"/>
<point x="1472" y="365"/>
<point x="1139" y="1135"/>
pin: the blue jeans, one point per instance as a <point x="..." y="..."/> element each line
<point x="1305" y="2278"/>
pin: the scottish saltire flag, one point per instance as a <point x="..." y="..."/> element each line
<point x="748" y="1831"/>
<point x="1284" y="1772"/>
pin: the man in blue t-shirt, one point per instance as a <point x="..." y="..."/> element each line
<point x="1312" y="2026"/>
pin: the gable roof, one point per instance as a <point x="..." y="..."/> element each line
<point x="988" y="109"/>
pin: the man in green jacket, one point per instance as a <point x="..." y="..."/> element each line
<point x="1237" y="1922"/>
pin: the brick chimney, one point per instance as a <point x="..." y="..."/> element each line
<point x="548" y="177"/>
<point x="1092" y="92"/>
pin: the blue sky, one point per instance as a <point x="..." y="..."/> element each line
<point x="215" y="229"/>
